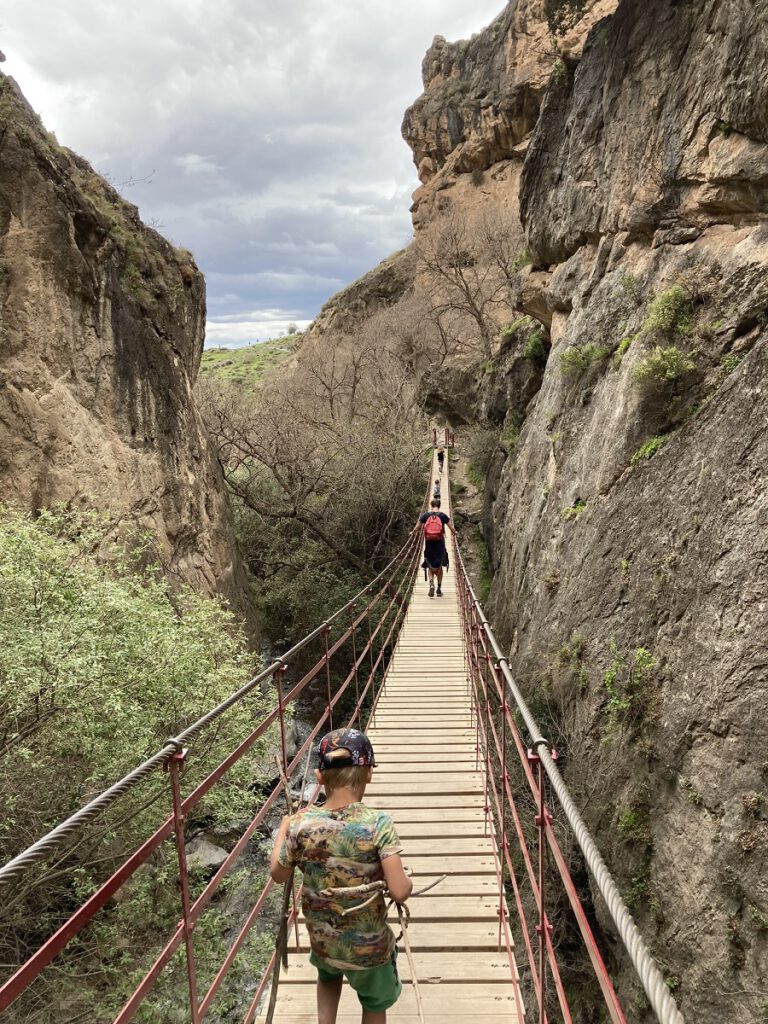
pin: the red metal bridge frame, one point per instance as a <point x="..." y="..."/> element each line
<point x="499" y="742"/>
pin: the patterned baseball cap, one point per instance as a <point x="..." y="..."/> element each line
<point x="345" y="748"/>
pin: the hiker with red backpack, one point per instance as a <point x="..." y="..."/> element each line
<point x="433" y="524"/>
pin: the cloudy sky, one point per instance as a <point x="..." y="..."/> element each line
<point x="264" y="135"/>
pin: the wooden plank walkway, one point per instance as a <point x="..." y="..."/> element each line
<point x="427" y="779"/>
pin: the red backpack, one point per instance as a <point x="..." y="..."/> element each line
<point x="433" y="527"/>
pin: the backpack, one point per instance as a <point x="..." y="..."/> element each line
<point x="433" y="527"/>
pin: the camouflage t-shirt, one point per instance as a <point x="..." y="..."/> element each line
<point x="336" y="849"/>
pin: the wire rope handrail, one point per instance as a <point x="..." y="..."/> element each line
<point x="491" y="677"/>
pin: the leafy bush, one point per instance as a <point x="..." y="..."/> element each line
<point x="577" y="359"/>
<point x="523" y="259"/>
<point x="664" y="366"/>
<point x="534" y="349"/>
<point x="99" y="664"/>
<point x="562" y="15"/>
<point x="649" y="449"/>
<point x="622" y="349"/>
<point x="670" y="312"/>
<point x="573" y="511"/>
<point x="509" y="329"/>
<point x="510" y="435"/>
<point x="730" y="362"/>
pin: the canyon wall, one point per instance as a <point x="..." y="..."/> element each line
<point x="625" y="505"/>
<point x="101" y="332"/>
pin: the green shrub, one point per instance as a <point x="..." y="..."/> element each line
<point x="730" y="362"/>
<point x="629" y="288"/>
<point x="510" y="435"/>
<point x="626" y="681"/>
<point x="515" y="325"/>
<point x="622" y="349"/>
<point x="577" y="359"/>
<point x="573" y="511"/>
<point x="670" y="312"/>
<point x="523" y="259"/>
<point x="664" y="366"/>
<point x="633" y="823"/>
<point x="99" y="663"/>
<point x="649" y="449"/>
<point x="534" y="349"/>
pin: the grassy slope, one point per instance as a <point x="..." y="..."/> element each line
<point x="247" y="365"/>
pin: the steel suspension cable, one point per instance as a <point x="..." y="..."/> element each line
<point x="656" y="989"/>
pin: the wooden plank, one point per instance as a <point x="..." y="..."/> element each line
<point x="404" y="815"/>
<point x="441" y="1002"/>
<point x="478" y="865"/>
<point x="430" y="908"/>
<point x="384" y="777"/>
<point x="389" y="801"/>
<point x="436" y="937"/>
<point x="408" y="830"/>
<point x="436" y="847"/>
<point x="471" y="967"/>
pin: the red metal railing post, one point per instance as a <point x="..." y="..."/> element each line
<point x="326" y="631"/>
<point x="278" y="677"/>
<point x="354" y="664"/>
<point x="174" y="768"/>
<point x="278" y="680"/>
<point x="543" y="928"/>
<point x="503" y="822"/>
<point x="370" y="641"/>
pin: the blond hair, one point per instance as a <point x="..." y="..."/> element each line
<point x="353" y="778"/>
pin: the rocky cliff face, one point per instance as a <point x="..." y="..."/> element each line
<point x="626" y="522"/>
<point x="625" y="529"/>
<point x="101" y="329"/>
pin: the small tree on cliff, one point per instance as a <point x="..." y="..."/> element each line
<point x="562" y="15"/>
<point x="468" y="269"/>
<point x="461" y="282"/>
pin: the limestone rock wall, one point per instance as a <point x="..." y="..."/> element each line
<point x="627" y="527"/>
<point x="101" y="332"/>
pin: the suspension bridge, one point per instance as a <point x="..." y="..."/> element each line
<point x="471" y="784"/>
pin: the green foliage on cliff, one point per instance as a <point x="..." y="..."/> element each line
<point x="576" y="359"/>
<point x="664" y="365"/>
<point x="670" y="312"/>
<point x="562" y="15"/>
<point x="649" y="449"/>
<point x="99" y="663"/>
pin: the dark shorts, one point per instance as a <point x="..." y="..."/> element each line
<point x="377" y="988"/>
<point x="434" y="553"/>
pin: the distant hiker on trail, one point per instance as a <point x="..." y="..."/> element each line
<point x="434" y="437"/>
<point x="434" y="523"/>
<point x="440" y="458"/>
<point x="436" y="490"/>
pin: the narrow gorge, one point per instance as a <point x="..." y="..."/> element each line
<point x="585" y="302"/>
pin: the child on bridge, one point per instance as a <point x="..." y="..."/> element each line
<point x="344" y="844"/>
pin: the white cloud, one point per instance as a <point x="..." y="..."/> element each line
<point x="193" y="163"/>
<point x="273" y="129"/>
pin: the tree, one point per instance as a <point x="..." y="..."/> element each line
<point x="99" y="663"/>
<point x="467" y="266"/>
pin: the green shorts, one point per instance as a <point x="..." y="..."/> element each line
<point x="377" y="988"/>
